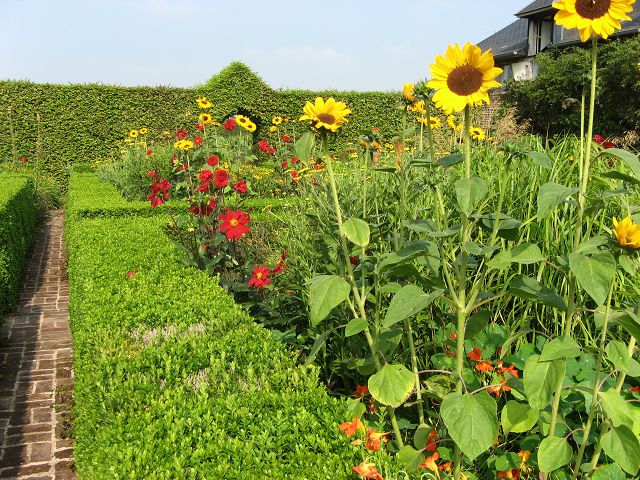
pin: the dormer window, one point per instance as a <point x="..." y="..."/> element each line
<point x="540" y="34"/>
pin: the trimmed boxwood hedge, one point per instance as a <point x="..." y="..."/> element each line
<point x="17" y="224"/>
<point x="173" y="380"/>
<point x="83" y="123"/>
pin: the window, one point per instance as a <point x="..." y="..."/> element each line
<point x="540" y="34"/>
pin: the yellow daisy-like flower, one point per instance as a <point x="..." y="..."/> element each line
<point x="417" y="107"/>
<point x="408" y="92"/>
<point x="250" y="127"/>
<point x="183" y="145"/>
<point x="143" y="131"/>
<point x="242" y="120"/>
<point x="205" y="119"/>
<point x="434" y="121"/>
<point x="463" y="76"/>
<point x="273" y="128"/>
<point x="276" y="120"/>
<point x="133" y="133"/>
<point x="204" y="103"/>
<point x="330" y="115"/>
<point x="599" y="18"/>
<point x="478" y="133"/>
<point x="627" y="233"/>
<point x="451" y="121"/>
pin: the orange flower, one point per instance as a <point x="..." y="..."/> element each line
<point x="431" y="445"/>
<point x="510" y="474"/>
<point x="453" y="335"/>
<point x="350" y="428"/>
<point x="475" y="355"/>
<point x="373" y="439"/>
<point x="430" y="463"/>
<point x="512" y="370"/>
<point x="446" y="466"/>
<point x="361" y="391"/>
<point x="634" y="389"/>
<point x="367" y="470"/>
<point x="484" y="366"/>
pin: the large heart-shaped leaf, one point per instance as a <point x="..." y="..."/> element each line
<point x="392" y="385"/>
<point x="471" y="420"/>
<point x="540" y="380"/>
<point x="550" y="195"/>
<point x="540" y="159"/>
<point x="615" y="407"/>
<point x="594" y="273"/>
<point x="627" y="157"/>
<point x="518" y="417"/>
<point x="530" y="289"/>
<point x="622" y="446"/>
<point x="559" y="348"/>
<point x="553" y="453"/>
<point x="408" y="301"/>
<point x="470" y="192"/>
<point x="609" y="472"/>
<point x="327" y="292"/>
<point x="525" y="253"/>
<point x="357" y="231"/>
<point x="618" y="354"/>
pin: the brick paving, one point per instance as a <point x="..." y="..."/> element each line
<point x="36" y="366"/>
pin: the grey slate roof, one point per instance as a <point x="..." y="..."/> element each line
<point x="534" y="7"/>
<point x="509" y="40"/>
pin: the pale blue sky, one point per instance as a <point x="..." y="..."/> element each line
<point x="330" y="44"/>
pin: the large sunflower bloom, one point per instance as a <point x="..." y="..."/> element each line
<point x="599" y="18"/>
<point x="463" y="77"/>
<point x="408" y="92"/>
<point x="627" y="233"/>
<point x="330" y="115"/>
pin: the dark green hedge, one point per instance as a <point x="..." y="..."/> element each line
<point x="172" y="378"/>
<point x="83" y="123"/>
<point x="17" y="223"/>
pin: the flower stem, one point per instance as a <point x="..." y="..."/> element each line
<point x="414" y="367"/>
<point x="432" y="152"/>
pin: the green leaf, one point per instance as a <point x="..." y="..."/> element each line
<point x="621" y="176"/>
<point x="421" y="436"/>
<point x="392" y="385"/>
<point x="530" y="289"/>
<point x="471" y="421"/>
<point x="518" y="417"/>
<point x="356" y="325"/>
<point x="449" y="160"/>
<point x="615" y="407"/>
<point x="470" y="192"/>
<point x="304" y="146"/>
<point x="609" y="472"/>
<point x="525" y="253"/>
<point x="594" y="274"/>
<point x="627" y="264"/>
<point x="591" y="245"/>
<point x="357" y="231"/>
<point x="407" y="302"/>
<point x="540" y="159"/>
<point x="627" y="157"/>
<point x="406" y="254"/>
<point x="560" y="347"/>
<point x="540" y="379"/>
<point x="317" y="345"/>
<point x="508" y="461"/>
<point x="476" y="323"/>
<point x="629" y="321"/>
<point x="618" y="354"/>
<point x="409" y="457"/>
<point x="550" y="195"/>
<point x="634" y="368"/>
<point x="622" y="446"/>
<point x="327" y="292"/>
<point x="553" y="453"/>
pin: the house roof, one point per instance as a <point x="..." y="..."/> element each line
<point x="535" y="7"/>
<point x="510" y="41"/>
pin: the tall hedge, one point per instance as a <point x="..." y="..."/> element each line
<point x="17" y="223"/>
<point x="83" y="123"/>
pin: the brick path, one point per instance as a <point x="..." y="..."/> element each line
<point x="36" y="366"/>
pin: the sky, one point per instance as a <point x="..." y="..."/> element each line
<point x="358" y="45"/>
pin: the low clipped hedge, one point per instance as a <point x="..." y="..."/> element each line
<point x="17" y="224"/>
<point x="173" y="380"/>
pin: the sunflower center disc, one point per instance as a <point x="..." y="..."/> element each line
<point x="327" y="118"/>
<point x="465" y="80"/>
<point x="592" y="9"/>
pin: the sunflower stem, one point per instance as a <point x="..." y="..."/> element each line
<point x="467" y="141"/>
<point x="432" y="152"/>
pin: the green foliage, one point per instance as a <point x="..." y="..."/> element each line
<point x="17" y="223"/>
<point x="174" y="380"/>
<point x="552" y="100"/>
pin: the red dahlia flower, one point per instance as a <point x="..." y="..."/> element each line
<point x="230" y="124"/>
<point x="222" y="178"/>
<point x="213" y="160"/>
<point x="198" y="140"/>
<point x="22" y="160"/>
<point x="181" y="134"/>
<point x="260" y="277"/>
<point x="234" y="224"/>
<point x="159" y="192"/>
<point x="149" y="152"/>
<point x="204" y="187"/>
<point x="272" y="151"/>
<point x="295" y="160"/>
<point x="361" y="391"/>
<point x="240" y="186"/>
<point x="286" y="139"/>
<point x="200" y="126"/>
<point x="206" y="176"/>
<point x="151" y="174"/>
<point x="600" y="140"/>
<point x="203" y="209"/>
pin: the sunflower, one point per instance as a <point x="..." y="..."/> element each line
<point x="599" y="18"/>
<point x="204" y="103"/>
<point x="408" y="92"/>
<point x="205" y="119"/>
<point x="143" y="131"/>
<point x="417" y="107"/>
<point x="276" y="120"/>
<point x="273" y="128"/>
<point x="478" y="133"/>
<point x="329" y="115"/>
<point x="451" y="121"/>
<point x="250" y="127"/>
<point x="242" y="120"/>
<point x="463" y="77"/>
<point x="133" y="133"/>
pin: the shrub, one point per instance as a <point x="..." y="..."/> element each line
<point x="17" y="222"/>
